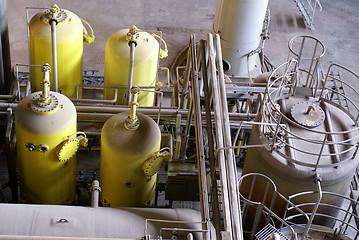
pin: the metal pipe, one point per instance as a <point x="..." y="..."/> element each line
<point x="130" y="70"/>
<point x="320" y="195"/>
<point x="187" y="129"/>
<point x="333" y="148"/>
<point x="22" y="237"/>
<point x="95" y="192"/>
<point x="93" y="110"/>
<point x="186" y="81"/>
<point x="171" y="112"/>
<point x="54" y="55"/>
<point x="201" y="165"/>
<point x="231" y="166"/>
<point x="10" y="142"/>
<point x="212" y="157"/>
<point x="219" y="138"/>
<point x="101" y="101"/>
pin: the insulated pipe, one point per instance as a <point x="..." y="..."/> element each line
<point x="201" y="165"/>
<point x="95" y="193"/>
<point x="130" y="73"/>
<point x="231" y="164"/>
<point x="54" y="54"/>
<point x="219" y="139"/>
<point x="212" y="158"/>
<point x="240" y="23"/>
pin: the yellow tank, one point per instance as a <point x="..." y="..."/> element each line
<point x="130" y="160"/>
<point x="117" y="62"/>
<point x="46" y="144"/>
<point x="70" y="35"/>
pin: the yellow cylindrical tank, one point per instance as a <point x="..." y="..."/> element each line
<point x="124" y="153"/>
<point x="117" y="65"/>
<point x="45" y="149"/>
<point x="69" y="39"/>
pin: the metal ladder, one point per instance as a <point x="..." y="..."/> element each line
<point x="307" y="9"/>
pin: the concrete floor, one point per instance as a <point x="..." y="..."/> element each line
<point x="336" y="26"/>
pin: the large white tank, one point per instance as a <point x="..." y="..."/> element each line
<point x="306" y="136"/>
<point x="239" y="23"/>
<point x="22" y="221"/>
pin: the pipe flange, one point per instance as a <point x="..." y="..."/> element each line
<point x="44" y="106"/>
<point x="132" y="124"/>
<point x="59" y="18"/>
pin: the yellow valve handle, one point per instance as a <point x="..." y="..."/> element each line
<point x="163" y="52"/>
<point x="153" y="164"/>
<point x="86" y="38"/>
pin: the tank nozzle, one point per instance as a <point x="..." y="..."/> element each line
<point x="132" y="35"/>
<point x="132" y="122"/>
<point x="54" y="11"/>
<point x="45" y="82"/>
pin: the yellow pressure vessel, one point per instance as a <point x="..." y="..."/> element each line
<point x="69" y="38"/>
<point x="117" y="65"/>
<point x="45" y="135"/>
<point x="124" y="175"/>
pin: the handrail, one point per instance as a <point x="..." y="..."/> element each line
<point x="270" y="113"/>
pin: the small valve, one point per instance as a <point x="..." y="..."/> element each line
<point x="31" y="147"/>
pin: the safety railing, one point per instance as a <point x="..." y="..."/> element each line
<point x="296" y="216"/>
<point x="336" y="143"/>
<point x="260" y="197"/>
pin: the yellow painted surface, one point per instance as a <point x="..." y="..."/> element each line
<point x="43" y="177"/>
<point x="123" y="153"/>
<point x="69" y="39"/>
<point x="117" y="62"/>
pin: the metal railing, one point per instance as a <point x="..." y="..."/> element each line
<point x="300" y="216"/>
<point x="339" y="144"/>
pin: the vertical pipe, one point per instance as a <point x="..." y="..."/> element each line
<point x="187" y="129"/>
<point x="54" y="55"/>
<point x="95" y="188"/>
<point x="186" y="80"/>
<point x="2" y="74"/>
<point x="319" y="199"/>
<point x="212" y="157"/>
<point x="201" y="165"/>
<point x="219" y="138"/>
<point x="130" y="71"/>
<point x="5" y="49"/>
<point x="231" y="164"/>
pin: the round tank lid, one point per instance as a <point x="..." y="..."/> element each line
<point x="68" y="149"/>
<point x="307" y="114"/>
<point x="153" y="165"/>
<point x="41" y="106"/>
